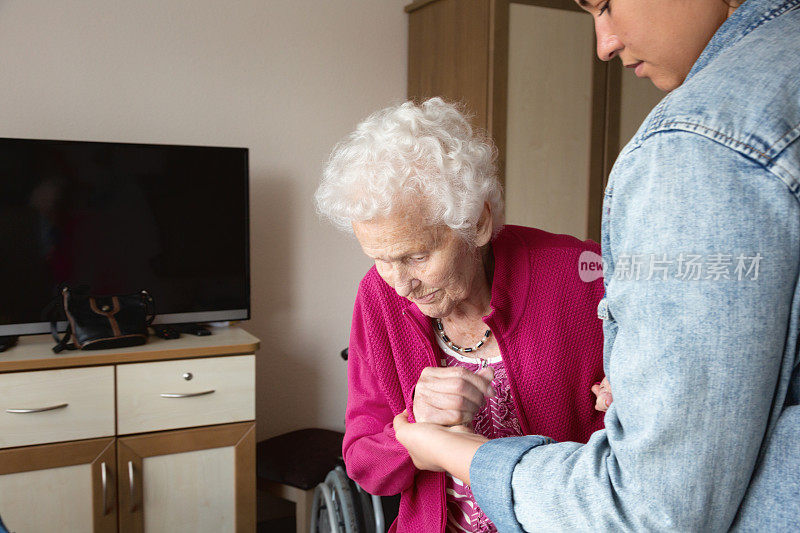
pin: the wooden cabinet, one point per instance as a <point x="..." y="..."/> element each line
<point x="177" y="428"/>
<point x="528" y="72"/>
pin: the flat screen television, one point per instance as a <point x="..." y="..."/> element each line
<point x="118" y="218"/>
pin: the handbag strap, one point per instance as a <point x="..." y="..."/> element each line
<point x="149" y="308"/>
<point x="61" y="343"/>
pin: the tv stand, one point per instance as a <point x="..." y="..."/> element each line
<point x="8" y="342"/>
<point x="115" y="440"/>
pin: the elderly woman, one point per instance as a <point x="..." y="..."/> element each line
<point x="704" y="430"/>
<point x="462" y="321"/>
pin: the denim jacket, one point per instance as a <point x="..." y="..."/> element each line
<point x="701" y="246"/>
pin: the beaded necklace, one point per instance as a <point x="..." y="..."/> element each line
<point x="454" y="346"/>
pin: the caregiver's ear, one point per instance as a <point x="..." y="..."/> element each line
<point x="483" y="231"/>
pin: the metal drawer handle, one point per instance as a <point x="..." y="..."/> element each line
<point x="185" y="394"/>
<point x="104" y="479"/>
<point x="131" y="487"/>
<point x="38" y="409"/>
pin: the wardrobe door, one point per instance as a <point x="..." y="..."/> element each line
<point x="448" y="53"/>
<point x="549" y="118"/>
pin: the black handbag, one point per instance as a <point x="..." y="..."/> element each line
<point x="100" y="322"/>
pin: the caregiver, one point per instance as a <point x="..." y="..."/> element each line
<point x="701" y="236"/>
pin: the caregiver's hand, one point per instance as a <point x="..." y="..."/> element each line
<point x="451" y="396"/>
<point x="438" y="448"/>
<point x="603" y="392"/>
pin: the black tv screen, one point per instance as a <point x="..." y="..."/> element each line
<point x="119" y="218"/>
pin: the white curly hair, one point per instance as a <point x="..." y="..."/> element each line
<point x="422" y="153"/>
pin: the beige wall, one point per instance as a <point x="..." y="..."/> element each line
<point x="286" y="78"/>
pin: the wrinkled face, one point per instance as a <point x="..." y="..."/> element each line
<point x="661" y="39"/>
<point x="430" y="265"/>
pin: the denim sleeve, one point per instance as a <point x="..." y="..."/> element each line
<point x="495" y="461"/>
<point x="697" y="366"/>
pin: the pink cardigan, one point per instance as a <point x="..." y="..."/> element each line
<point x="544" y="319"/>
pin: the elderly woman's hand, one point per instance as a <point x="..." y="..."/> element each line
<point x="603" y="392"/>
<point x="451" y="396"/>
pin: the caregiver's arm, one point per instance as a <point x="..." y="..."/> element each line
<point x="434" y="447"/>
<point x="693" y="365"/>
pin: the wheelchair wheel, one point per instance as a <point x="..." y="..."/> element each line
<point x="334" y="509"/>
<point x="342" y="506"/>
<point x="365" y="510"/>
<point x="324" y="516"/>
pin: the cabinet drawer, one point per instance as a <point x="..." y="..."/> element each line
<point x="156" y="396"/>
<point x="56" y="405"/>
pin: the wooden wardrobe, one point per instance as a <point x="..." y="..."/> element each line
<point x="528" y="73"/>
